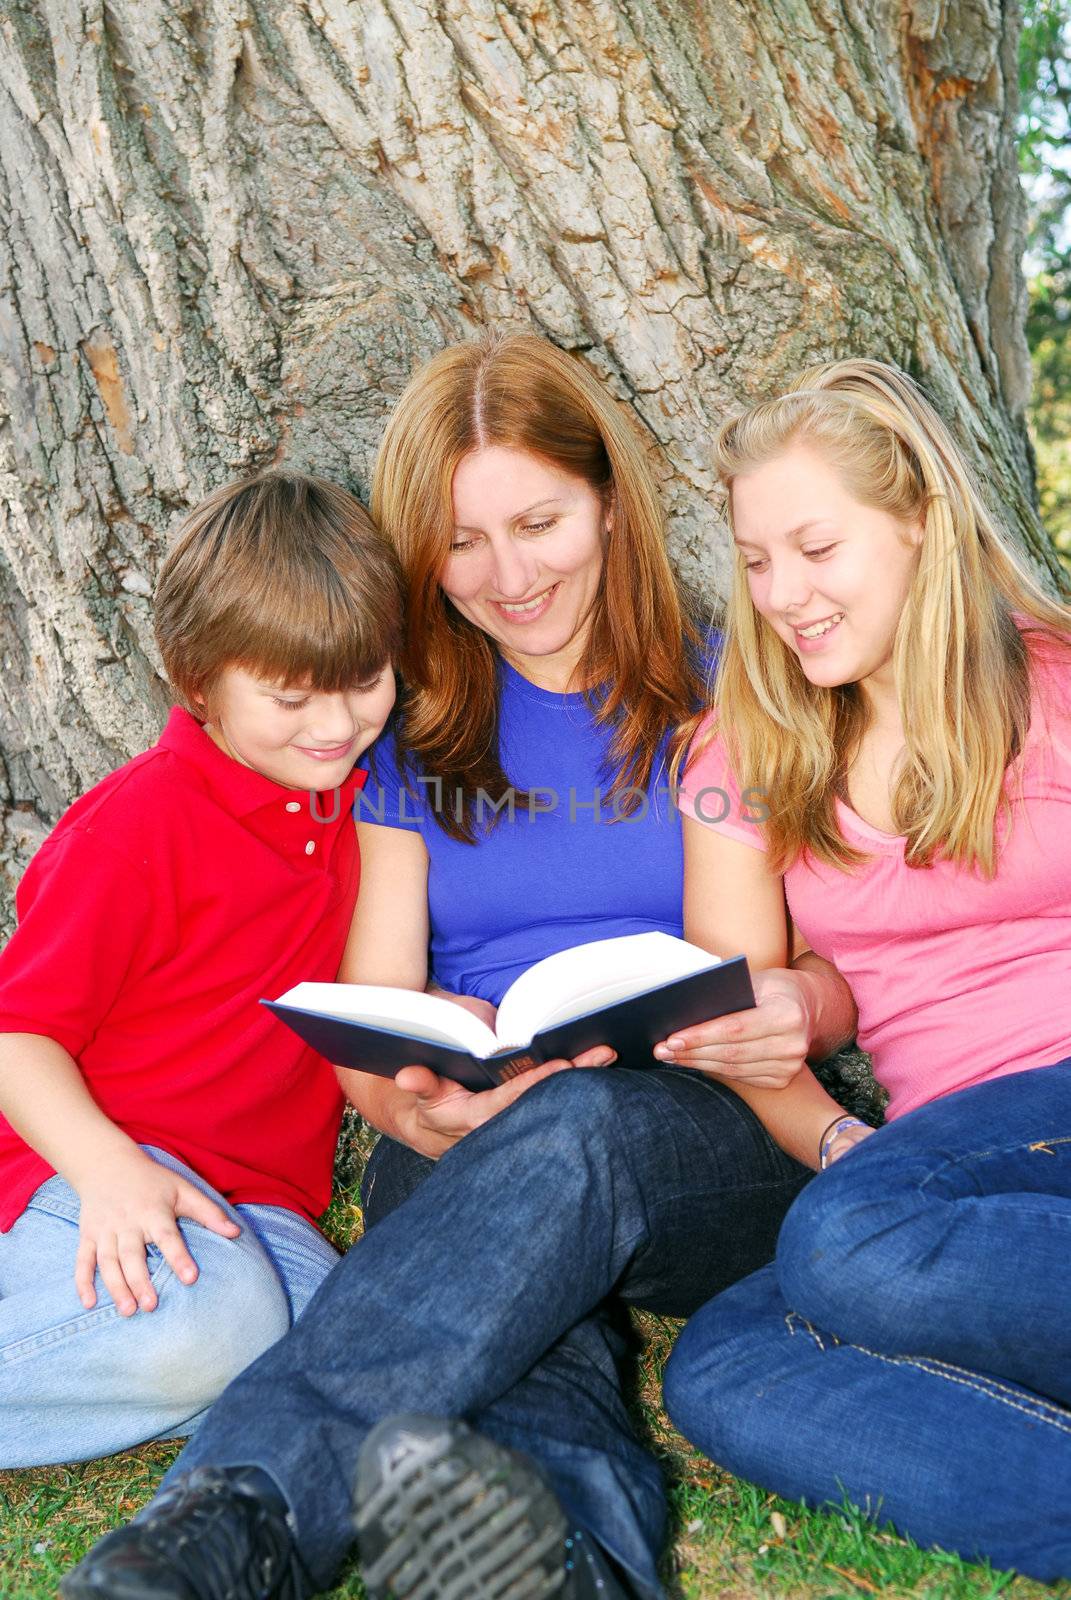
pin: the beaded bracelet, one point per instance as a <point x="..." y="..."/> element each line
<point x="838" y="1125"/>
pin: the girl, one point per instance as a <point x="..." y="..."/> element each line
<point x="900" y="692"/>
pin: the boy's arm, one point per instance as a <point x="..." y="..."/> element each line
<point x="127" y="1198"/>
<point x="86" y="918"/>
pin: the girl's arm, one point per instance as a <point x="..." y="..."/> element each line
<point x="734" y="905"/>
<point x="388" y="944"/>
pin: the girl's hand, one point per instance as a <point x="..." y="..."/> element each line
<point x="438" y="1112"/>
<point x="132" y="1204"/>
<point x="846" y="1140"/>
<point x="765" y="1047"/>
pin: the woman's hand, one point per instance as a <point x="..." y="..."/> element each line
<point x="483" y="1009"/>
<point x="436" y="1112"/>
<point x="765" y="1047"/>
<point x="134" y="1203"/>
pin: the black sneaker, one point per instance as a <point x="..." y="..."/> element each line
<point x="443" y="1513"/>
<point x="214" y="1535"/>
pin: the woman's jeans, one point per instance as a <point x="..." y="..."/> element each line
<point x="910" y="1350"/>
<point x="483" y="1294"/>
<point x="77" y="1383"/>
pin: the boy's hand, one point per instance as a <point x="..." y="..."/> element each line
<point x="134" y="1205"/>
<point x="439" y="1112"/>
<point x="765" y="1047"/>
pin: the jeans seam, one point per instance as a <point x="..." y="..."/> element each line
<point x="1028" y="1147"/>
<point x="992" y="1388"/>
<point x="82" y="1322"/>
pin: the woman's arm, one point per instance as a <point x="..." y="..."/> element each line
<point x="388" y="944"/>
<point x="388" y="939"/>
<point x="734" y="905"/>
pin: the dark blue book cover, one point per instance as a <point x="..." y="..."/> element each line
<point x="632" y="1027"/>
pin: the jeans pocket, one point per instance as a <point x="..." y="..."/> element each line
<point x="56" y="1198"/>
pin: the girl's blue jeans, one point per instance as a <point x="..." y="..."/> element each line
<point x="910" y="1349"/>
<point x="76" y="1383"/>
<point x="489" y="1286"/>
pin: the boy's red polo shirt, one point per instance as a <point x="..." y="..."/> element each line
<point x="166" y="903"/>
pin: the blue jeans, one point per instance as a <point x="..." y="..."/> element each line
<point x="486" y="1294"/>
<point x="910" y="1350"/>
<point x="76" y="1383"/>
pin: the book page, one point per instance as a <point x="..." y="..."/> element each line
<point x="590" y="976"/>
<point x="409" y="1011"/>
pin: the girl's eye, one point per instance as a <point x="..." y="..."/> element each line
<point x="290" y="705"/>
<point x="539" y="527"/>
<point x="823" y="550"/>
<point x="757" y="565"/>
<point x="462" y="544"/>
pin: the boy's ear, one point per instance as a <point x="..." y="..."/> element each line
<point x="198" y="697"/>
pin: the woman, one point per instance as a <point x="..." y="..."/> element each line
<point x="903" y="693"/>
<point x="548" y="664"/>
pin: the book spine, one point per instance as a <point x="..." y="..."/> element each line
<point x="514" y="1067"/>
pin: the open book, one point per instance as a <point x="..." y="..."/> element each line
<point x="628" y="993"/>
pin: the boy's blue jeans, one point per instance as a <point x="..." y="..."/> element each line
<point x="910" y="1350"/>
<point x="76" y="1383"/>
<point x="484" y="1294"/>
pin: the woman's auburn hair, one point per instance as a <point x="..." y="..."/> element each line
<point x="642" y="667"/>
<point x="971" y="625"/>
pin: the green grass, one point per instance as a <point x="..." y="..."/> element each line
<point x="730" y="1540"/>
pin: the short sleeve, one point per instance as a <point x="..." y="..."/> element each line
<point x="390" y="798"/>
<point x="710" y="793"/>
<point x="84" y="926"/>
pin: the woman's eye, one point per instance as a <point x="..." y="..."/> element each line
<point x="539" y="527"/>
<point x="757" y="565"/>
<point x="462" y="544"/>
<point x="822" y="550"/>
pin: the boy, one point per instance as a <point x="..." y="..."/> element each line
<point x="140" y="1081"/>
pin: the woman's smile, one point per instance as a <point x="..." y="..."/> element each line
<point x="524" y="611"/>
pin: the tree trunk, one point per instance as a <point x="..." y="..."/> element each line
<point x="229" y="229"/>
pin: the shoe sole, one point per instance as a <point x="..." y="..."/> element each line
<point x="443" y="1513"/>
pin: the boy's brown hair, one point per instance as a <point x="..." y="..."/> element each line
<point x="282" y="574"/>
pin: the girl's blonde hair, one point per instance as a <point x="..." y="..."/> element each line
<point x="961" y="657"/>
<point x="521" y="391"/>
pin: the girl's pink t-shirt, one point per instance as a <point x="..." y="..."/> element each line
<point x="957" y="978"/>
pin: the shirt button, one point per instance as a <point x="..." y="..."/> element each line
<point x="293" y="805"/>
<point x="310" y="847"/>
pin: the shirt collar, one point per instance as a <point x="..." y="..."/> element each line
<point x="240" y="788"/>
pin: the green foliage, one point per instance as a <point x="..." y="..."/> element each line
<point x="1045" y="162"/>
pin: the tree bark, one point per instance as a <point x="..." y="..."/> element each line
<point x="229" y="229"/>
